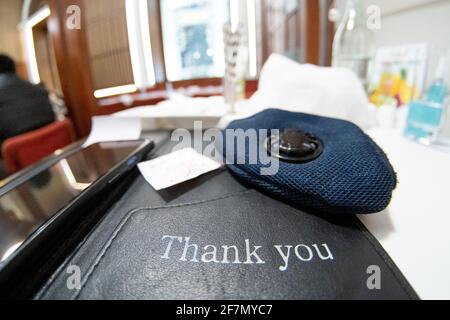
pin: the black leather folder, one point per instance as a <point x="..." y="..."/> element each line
<point x="215" y="238"/>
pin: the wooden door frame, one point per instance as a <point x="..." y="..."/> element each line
<point x="309" y="17"/>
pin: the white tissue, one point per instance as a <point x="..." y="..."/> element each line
<point x="329" y="92"/>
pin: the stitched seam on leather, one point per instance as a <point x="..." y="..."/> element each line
<point x="43" y="291"/>
<point x="47" y="286"/>
<point x="124" y="221"/>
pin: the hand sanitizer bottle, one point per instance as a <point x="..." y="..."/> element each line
<point x="425" y="116"/>
<point x="439" y="88"/>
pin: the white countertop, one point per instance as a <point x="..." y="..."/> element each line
<point x="415" y="229"/>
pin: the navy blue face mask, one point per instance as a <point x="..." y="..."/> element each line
<point x="325" y="165"/>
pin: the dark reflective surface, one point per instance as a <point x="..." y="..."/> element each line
<point x="25" y="208"/>
<point x="293" y="145"/>
<point x="297" y="143"/>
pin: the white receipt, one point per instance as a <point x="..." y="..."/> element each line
<point x="176" y="167"/>
<point x="107" y="128"/>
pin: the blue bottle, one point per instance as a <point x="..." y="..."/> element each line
<point x="425" y="116"/>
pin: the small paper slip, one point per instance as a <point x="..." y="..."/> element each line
<point x="176" y="167"/>
<point x="107" y="128"/>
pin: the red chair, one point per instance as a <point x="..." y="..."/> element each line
<point x="28" y="148"/>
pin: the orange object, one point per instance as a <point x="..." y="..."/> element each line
<point x="28" y="148"/>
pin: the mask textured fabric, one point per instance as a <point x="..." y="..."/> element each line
<point x="351" y="176"/>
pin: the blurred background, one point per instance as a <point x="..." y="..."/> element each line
<point x="99" y="57"/>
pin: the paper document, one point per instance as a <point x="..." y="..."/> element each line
<point x="107" y="128"/>
<point x="176" y="167"/>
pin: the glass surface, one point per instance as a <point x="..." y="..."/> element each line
<point x="193" y="38"/>
<point x="353" y="45"/>
<point x="25" y="208"/>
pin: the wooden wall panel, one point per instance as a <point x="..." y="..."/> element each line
<point x="9" y="33"/>
<point x="311" y="7"/>
<point x="107" y="39"/>
<point x="73" y="65"/>
<point x="291" y="28"/>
